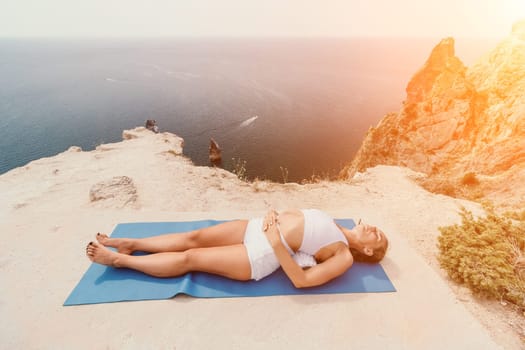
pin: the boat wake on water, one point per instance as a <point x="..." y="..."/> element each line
<point x="225" y="129"/>
<point x="248" y="121"/>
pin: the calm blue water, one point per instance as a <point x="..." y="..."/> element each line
<point x="314" y="99"/>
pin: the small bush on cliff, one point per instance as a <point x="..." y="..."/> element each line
<point x="284" y="173"/>
<point x="470" y="179"/>
<point x="239" y="169"/>
<point x="486" y="254"/>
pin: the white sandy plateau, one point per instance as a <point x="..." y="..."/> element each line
<point x="47" y="218"/>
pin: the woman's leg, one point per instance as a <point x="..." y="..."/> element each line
<point x="228" y="261"/>
<point x="228" y="233"/>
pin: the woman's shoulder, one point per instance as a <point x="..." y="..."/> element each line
<point x="335" y="248"/>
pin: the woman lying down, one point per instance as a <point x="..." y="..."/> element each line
<point x="309" y="246"/>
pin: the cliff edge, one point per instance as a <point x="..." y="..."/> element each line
<point x="52" y="207"/>
<point x="463" y="127"/>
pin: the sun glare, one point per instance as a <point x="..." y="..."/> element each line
<point x="517" y="10"/>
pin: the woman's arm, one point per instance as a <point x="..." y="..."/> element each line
<point x="334" y="266"/>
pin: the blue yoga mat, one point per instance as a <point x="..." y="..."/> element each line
<point x="102" y="284"/>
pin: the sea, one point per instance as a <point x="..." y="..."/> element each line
<point x="281" y="109"/>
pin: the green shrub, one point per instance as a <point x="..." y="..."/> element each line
<point x="486" y="254"/>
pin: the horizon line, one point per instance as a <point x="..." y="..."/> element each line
<point x="130" y="37"/>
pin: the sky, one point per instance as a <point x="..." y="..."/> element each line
<point x="265" y="18"/>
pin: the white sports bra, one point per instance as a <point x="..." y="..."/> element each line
<point x="320" y="230"/>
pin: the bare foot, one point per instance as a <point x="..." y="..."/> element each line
<point x="98" y="253"/>
<point x="123" y="245"/>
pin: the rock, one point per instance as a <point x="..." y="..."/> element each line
<point x="119" y="191"/>
<point x="457" y="120"/>
<point x="134" y="133"/>
<point x="215" y="152"/>
<point x="151" y="125"/>
<point x="439" y="72"/>
<point x="168" y="143"/>
<point x="74" y="149"/>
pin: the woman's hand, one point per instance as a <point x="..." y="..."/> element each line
<point x="270" y="220"/>
<point x="270" y="227"/>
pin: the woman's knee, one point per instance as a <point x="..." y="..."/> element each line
<point x="192" y="258"/>
<point x="195" y="239"/>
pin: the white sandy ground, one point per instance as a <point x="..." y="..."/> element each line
<point x="46" y="219"/>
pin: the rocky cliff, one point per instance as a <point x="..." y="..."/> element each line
<point x="462" y="126"/>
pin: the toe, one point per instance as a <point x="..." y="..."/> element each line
<point x="90" y="248"/>
<point x="101" y="237"/>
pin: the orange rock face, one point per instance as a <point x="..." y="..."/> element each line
<point x="457" y="120"/>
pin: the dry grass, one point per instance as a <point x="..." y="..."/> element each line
<point x="486" y="255"/>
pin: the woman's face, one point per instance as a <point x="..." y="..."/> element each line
<point x="369" y="236"/>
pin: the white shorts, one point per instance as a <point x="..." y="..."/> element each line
<point x="260" y="253"/>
